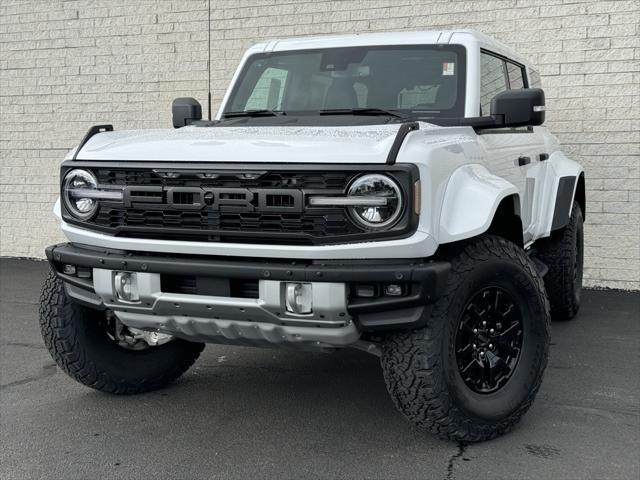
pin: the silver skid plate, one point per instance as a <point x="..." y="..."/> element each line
<point x="252" y="321"/>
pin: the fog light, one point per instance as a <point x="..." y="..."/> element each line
<point x="126" y="286"/>
<point x="69" y="269"/>
<point x="298" y="298"/>
<point x="393" y="290"/>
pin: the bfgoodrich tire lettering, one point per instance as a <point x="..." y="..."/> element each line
<point x="76" y="341"/>
<point x="420" y="366"/>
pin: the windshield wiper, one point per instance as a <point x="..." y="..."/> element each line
<point x="254" y="113"/>
<point x="362" y="111"/>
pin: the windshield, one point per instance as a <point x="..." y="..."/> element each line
<point x="422" y="81"/>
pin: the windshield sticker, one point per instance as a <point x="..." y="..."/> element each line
<point x="448" y="68"/>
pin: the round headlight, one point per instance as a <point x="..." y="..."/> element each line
<point x="376" y="187"/>
<point x="77" y="187"/>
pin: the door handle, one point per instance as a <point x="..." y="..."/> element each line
<point x="544" y="156"/>
<point x="522" y="161"/>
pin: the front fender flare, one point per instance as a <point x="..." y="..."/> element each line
<point x="471" y="199"/>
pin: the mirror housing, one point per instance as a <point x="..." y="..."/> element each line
<point x="185" y="111"/>
<point x="519" y="108"/>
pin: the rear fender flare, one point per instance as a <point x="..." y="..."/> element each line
<point x="567" y="177"/>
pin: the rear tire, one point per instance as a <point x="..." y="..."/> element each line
<point x="426" y="370"/>
<point x="563" y="253"/>
<point x="78" y="342"/>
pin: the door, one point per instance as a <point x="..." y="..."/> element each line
<point x="513" y="154"/>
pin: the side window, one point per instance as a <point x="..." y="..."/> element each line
<point x="516" y="78"/>
<point x="268" y="91"/>
<point x="492" y="80"/>
<point x="534" y="79"/>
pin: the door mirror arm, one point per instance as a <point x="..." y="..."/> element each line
<point x="524" y="107"/>
<point x="477" y="123"/>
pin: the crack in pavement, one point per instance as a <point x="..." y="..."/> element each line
<point x="452" y="460"/>
<point x="38" y="346"/>
<point x="47" y="371"/>
<point x="18" y="302"/>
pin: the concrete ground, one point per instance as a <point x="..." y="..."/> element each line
<point x="251" y="413"/>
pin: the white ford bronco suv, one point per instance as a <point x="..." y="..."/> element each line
<point x="391" y="192"/>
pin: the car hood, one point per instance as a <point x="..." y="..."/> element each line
<point x="352" y="144"/>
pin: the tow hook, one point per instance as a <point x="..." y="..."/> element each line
<point x="135" y="338"/>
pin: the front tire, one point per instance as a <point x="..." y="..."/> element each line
<point x="461" y="378"/>
<point x="79" y="343"/>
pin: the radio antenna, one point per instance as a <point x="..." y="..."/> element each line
<point x="209" y="61"/>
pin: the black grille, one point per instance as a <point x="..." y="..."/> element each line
<point x="244" y="288"/>
<point x="212" y="286"/>
<point x="304" y="180"/>
<point x="199" y="224"/>
<point x="200" y="209"/>
<point x="179" y="284"/>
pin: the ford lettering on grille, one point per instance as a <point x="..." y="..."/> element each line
<point x="217" y="199"/>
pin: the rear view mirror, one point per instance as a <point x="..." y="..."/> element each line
<point x="519" y="108"/>
<point x="185" y="111"/>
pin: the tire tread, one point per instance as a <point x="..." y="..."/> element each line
<point x="59" y="318"/>
<point x="412" y="363"/>
<point x="555" y="252"/>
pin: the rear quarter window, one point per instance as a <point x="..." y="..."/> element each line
<point x="516" y="75"/>
<point x="534" y="79"/>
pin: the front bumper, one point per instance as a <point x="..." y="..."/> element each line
<point x="338" y="319"/>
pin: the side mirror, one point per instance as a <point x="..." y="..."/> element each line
<point x="185" y="111"/>
<point x="519" y="108"/>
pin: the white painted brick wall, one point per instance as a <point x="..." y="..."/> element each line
<point x="68" y="64"/>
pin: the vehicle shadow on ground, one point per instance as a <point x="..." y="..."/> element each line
<point x="300" y="413"/>
<point x="229" y="383"/>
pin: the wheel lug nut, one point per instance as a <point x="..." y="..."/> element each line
<point x="491" y="330"/>
<point x="484" y="323"/>
<point x="475" y="330"/>
<point x="473" y="345"/>
<point x="491" y="345"/>
<point x="482" y="354"/>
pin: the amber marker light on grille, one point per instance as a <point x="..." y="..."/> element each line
<point x="416" y="197"/>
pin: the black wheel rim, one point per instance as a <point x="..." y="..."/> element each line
<point x="488" y="340"/>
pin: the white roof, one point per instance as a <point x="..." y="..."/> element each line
<point x="468" y="38"/>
